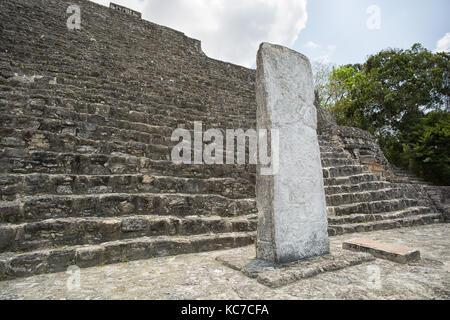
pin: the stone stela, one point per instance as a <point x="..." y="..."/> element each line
<point x="292" y="219"/>
<point x="125" y="10"/>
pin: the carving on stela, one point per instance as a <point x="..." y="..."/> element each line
<point x="292" y="223"/>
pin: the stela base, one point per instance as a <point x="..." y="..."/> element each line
<point x="275" y="275"/>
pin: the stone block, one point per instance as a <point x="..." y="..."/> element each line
<point x="89" y="256"/>
<point x="396" y="253"/>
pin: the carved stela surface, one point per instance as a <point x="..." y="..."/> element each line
<point x="292" y="223"/>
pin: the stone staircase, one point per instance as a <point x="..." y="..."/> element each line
<point x="360" y="201"/>
<point x="53" y="220"/>
<point x="85" y="170"/>
<point x="90" y="184"/>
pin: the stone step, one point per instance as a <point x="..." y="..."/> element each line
<point x="19" y="161"/>
<point x="364" y="196"/>
<point x="364" y="218"/>
<point x="331" y="148"/>
<point x="93" y="123"/>
<point x="15" y="186"/>
<point x="14" y="265"/>
<point x="91" y="126"/>
<point x="331" y="155"/>
<point x="40" y="101"/>
<point x="360" y="187"/>
<point x="384" y="224"/>
<point x="86" y="138"/>
<point x="343" y="171"/>
<point x="338" y="162"/>
<point x="133" y="84"/>
<point x="325" y="137"/>
<point x="325" y="141"/>
<point x="51" y="95"/>
<point x="352" y="179"/>
<point x="372" y="207"/>
<point x="88" y="128"/>
<point x="68" y="143"/>
<point x="37" y="208"/>
<point x="34" y="108"/>
<point x="95" y="92"/>
<point x="136" y="85"/>
<point x="148" y="100"/>
<point x="18" y="142"/>
<point x="65" y="232"/>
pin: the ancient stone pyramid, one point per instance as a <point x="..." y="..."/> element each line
<point x="85" y="170"/>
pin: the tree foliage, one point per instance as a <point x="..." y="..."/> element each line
<point x="322" y="73"/>
<point x="427" y="147"/>
<point x="402" y="98"/>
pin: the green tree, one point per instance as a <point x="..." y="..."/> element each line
<point x="322" y="73"/>
<point x="390" y="95"/>
<point x="428" y="147"/>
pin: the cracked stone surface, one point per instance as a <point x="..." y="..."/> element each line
<point x="200" y="276"/>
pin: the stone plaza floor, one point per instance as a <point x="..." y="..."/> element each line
<point x="201" y="276"/>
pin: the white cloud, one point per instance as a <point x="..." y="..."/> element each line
<point x="324" y="59"/>
<point x="312" y="45"/>
<point x="319" y="53"/>
<point x="443" y="45"/>
<point x="230" y="30"/>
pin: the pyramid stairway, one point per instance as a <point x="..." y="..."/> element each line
<point x="85" y="170"/>
<point x="55" y="219"/>
<point x="86" y="184"/>
<point x="360" y="201"/>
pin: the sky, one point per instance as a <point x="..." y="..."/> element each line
<point x="327" y="31"/>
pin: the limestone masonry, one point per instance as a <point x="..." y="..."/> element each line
<point x="292" y="221"/>
<point x="85" y="172"/>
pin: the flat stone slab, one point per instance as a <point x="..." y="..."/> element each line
<point x="382" y="250"/>
<point x="275" y="275"/>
